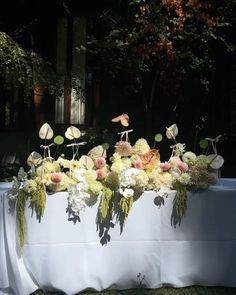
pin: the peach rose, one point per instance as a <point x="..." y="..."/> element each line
<point x="150" y="159"/>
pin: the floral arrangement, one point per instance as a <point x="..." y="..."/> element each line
<point x="116" y="182"/>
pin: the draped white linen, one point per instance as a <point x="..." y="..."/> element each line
<point x="153" y="250"/>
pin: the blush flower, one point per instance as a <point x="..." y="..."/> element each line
<point x="124" y="148"/>
<point x="101" y="174"/>
<point x="165" y="166"/>
<point x="100" y="162"/>
<point x="138" y="164"/>
<point x="56" y="177"/>
<point x="182" y="166"/>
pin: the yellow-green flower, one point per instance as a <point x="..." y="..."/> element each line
<point x="141" y="147"/>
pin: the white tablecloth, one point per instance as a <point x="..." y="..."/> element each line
<point x="151" y="251"/>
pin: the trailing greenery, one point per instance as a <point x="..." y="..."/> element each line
<point x="126" y="205"/>
<point x="38" y="200"/>
<point x="105" y="205"/>
<point x="181" y="200"/>
<point x="38" y="204"/>
<point x="20" y="211"/>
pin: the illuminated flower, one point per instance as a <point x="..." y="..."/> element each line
<point x="159" y="179"/>
<point x="127" y="162"/>
<point x="189" y="157"/>
<point x="46" y="179"/>
<point x="123" y="148"/>
<point x="56" y="177"/>
<point x="184" y="178"/>
<point x="101" y="174"/>
<point x="95" y="187"/>
<point x="118" y="166"/>
<point x="165" y="166"/>
<point x="183" y="167"/>
<point x="141" y="179"/>
<point x="141" y="147"/>
<point x="151" y="159"/>
<point x="179" y="149"/>
<point x="135" y="178"/>
<point x="97" y="152"/>
<point x="63" y="185"/>
<point x="100" y="162"/>
<point x="90" y="174"/>
<point x="138" y="164"/>
<point x="174" y="161"/>
<point x="29" y="186"/>
<point x="126" y="192"/>
<point x="134" y="158"/>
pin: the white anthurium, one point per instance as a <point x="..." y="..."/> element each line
<point x="216" y="161"/>
<point x="46" y="131"/>
<point x="72" y="132"/>
<point x="86" y="162"/>
<point x="172" y="131"/>
<point x="34" y="159"/>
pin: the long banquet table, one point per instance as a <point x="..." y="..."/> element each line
<point x="152" y="251"/>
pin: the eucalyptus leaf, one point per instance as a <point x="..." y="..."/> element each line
<point x="58" y="140"/>
<point x="46" y="131"/>
<point x="203" y="143"/>
<point x="216" y="161"/>
<point x="158" y="137"/>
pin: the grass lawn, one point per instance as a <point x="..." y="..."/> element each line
<point x="162" y="291"/>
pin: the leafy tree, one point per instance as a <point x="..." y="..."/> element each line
<point x="22" y="68"/>
<point x="162" y="46"/>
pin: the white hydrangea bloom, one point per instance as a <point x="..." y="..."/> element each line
<point x="126" y="192"/>
<point x="77" y="200"/>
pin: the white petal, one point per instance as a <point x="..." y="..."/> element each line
<point x="34" y="159"/>
<point x="172" y="131"/>
<point x="86" y="162"/>
<point x="46" y="131"/>
<point x="72" y="133"/>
